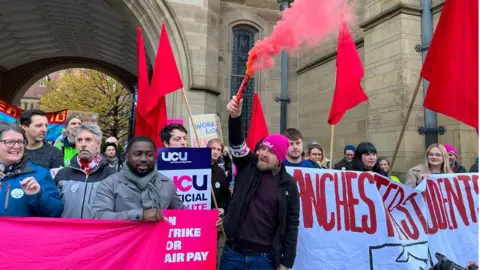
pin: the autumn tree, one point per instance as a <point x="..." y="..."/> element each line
<point x="91" y="91"/>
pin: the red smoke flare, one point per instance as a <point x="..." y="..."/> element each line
<point x="307" y="22"/>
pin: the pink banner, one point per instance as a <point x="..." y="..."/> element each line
<point x="178" y="121"/>
<point x="187" y="241"/>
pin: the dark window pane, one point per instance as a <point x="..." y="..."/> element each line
<point x="243" y="41"/>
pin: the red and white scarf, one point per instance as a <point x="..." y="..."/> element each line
<point x="88" y="166"/>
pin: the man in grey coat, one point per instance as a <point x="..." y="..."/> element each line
<point x="138" y="191"/>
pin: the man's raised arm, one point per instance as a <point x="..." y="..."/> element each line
<point x="238" y="147"/>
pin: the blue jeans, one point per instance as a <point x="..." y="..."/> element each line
<point x="232" y="260"/>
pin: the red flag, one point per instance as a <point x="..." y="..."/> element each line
<point x="348" y="91"/>
<point x="141" y="126"/>
<point x="166" y="78"/>
<point x="258" y="126"/>
<point x="451" y="65"/>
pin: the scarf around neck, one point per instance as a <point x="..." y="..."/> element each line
<point x="9" y="170"/>
<point x="146" y="184"/>
<point x="89" y="166"/>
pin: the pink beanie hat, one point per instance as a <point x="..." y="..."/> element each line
<point x="451" y="149"/>
<point x="278" y="144"/>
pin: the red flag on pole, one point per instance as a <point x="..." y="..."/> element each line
<point x="348" y="91"/>
<point x="166" y="78"/>
<point x="141" y="126"/>
<point x="451" y="65"/>
<point x="258" y="126"/>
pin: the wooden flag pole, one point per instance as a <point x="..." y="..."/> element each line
<point x="198" y="142"/>
<point x="332" y="130"/>
<point x="410" y="107"/>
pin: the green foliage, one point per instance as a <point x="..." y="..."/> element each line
<point x="91" y="91"/>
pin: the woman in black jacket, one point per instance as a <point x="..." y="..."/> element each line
<point x="365" y="159"/>
<point x="220" y="182"/>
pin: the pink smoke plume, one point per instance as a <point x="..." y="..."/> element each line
<point x="307" y="22"/>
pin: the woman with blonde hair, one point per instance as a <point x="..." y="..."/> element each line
<point x="220" y="182"/>
<point x="315" y="153"/>
<point x="436" y="162"/>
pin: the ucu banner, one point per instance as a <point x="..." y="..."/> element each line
<point x="180" y="157"/>
<point x="184" y="158"/>
<point x="191" y="173"/>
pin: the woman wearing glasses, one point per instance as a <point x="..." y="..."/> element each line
<point x="26" y="189"/>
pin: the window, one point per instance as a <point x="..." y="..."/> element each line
<point x="243" y="41"/>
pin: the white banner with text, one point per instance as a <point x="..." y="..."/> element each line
<point x="361" y="220"/>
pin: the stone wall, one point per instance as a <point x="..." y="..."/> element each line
<point x="390" y="31"/>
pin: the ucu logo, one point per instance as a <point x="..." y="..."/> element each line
<point x="268" y="144"/>
<point x="174" y="156"/>
<point x="185" y="183"/>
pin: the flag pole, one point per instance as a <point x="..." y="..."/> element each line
<point x="332" y="130"/>
<point x="198" y="143"/>
<point x="410" y="107"/>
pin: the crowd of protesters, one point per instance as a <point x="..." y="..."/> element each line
<point x="95" y="179"/>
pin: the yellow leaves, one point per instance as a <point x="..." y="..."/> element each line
<point x="91" y="91"/>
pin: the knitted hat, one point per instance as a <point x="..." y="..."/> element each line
<point x="451" y="149"/>
<point x="349" y="147"/>
<point x="278" y="144"/>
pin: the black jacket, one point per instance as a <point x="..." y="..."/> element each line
<point x="459" y="168"/>
<point x="284" y="244"/>
<point x="474" y="167"/>
<point x="220" y="186"/>
<point x="343" y="164"/>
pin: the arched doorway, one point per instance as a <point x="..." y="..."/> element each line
<point x="37" y="38"/>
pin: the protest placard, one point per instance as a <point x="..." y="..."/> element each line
<point x="361" y="220"/>
<point x="190" y="170"/>
<point x="186" y="241"/>
<point x="207" y="126"/>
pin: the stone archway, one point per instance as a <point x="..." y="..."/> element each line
<point x="30" y="73"/>
<point x="81" y="34"/>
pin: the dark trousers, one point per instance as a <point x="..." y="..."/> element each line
<point x="233" y="260"/>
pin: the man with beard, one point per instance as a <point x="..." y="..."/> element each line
<point x="35" y="124"/>
<point x="262" y="222"/>
<point x="67" y="144"/>
<point x="452" y="158"/>
<point x="138" y="191"/>
<point x="87" y="169"/>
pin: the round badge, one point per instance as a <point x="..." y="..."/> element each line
<point x="17" y="193"/>
<point x="217" y="185"/>
<point x="74" y="188"/>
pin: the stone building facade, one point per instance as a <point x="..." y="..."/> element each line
<point x="386" y="34"/>
<point x="211" y="39"/>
